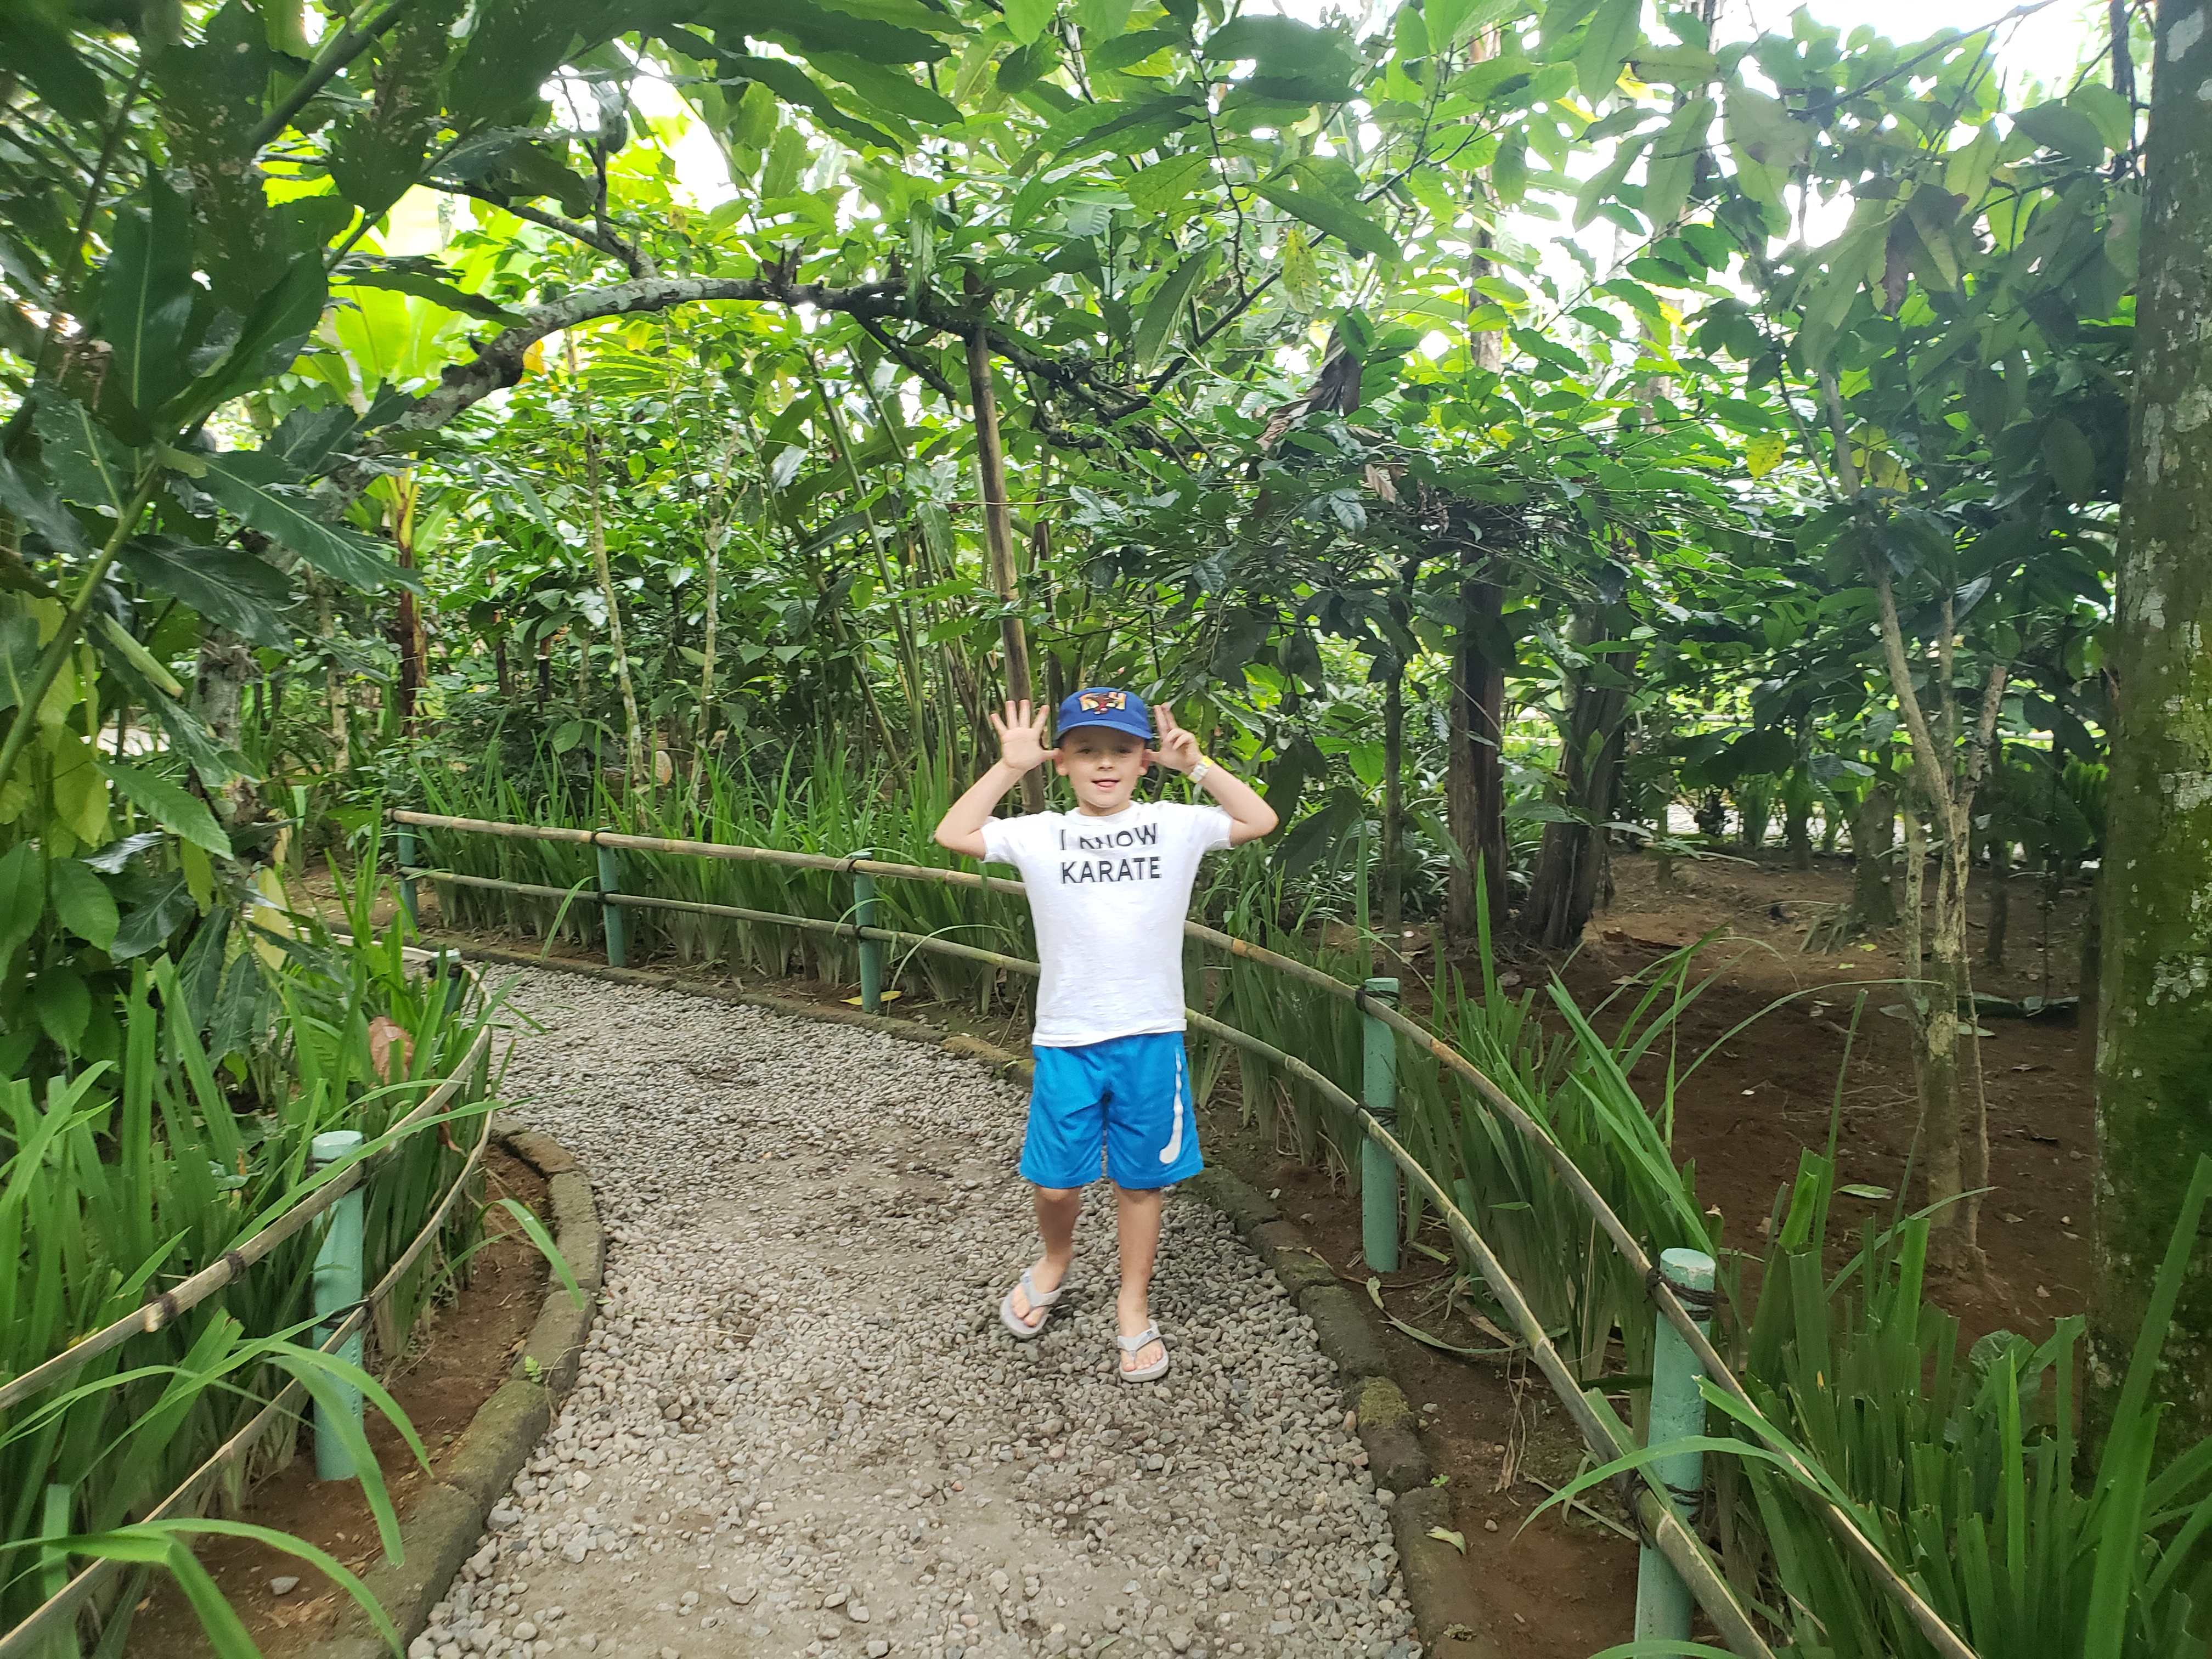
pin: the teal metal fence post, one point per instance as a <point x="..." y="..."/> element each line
<point x="408" y="860"/>
<point x="1678" y="1410"/>
<point x="337" y="1291"/>
<point x="1378" y="1172"/>
<point x="872" y="949"/>
<point x="610" y="917"/>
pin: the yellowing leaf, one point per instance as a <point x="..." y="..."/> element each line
<point x="271" y="919"/>
<point x="1445" y="1536"/>
<point x="80" y="791"/>
<point x="1764" y="454"/>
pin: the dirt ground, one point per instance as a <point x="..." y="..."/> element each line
<point x="1772" y="1026"/>
<point x="458" y="1356"/>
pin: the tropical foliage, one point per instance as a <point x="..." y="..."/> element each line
<point x="1516" y="435"/>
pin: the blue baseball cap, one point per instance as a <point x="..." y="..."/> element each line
<point x="1101" y="705"/>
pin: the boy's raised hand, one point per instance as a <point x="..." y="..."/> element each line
<point x="1021" y="737"/>
<point x="1178" y="749"/>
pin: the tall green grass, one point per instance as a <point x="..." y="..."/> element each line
<point x="117" y="1181"/>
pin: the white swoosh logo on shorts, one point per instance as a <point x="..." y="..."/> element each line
<point x="1173" y="1148"/>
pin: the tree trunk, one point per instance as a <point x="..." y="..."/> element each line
<point x="413" y="647"/>
<point x="226" y="667"/>
<point x="639" y="776"/>
<point x="1932" y="987"/>
<point x="1993" y="941"/>
<point x="999" y="538"/>
<point x="334" y="692"/>
<point x="1797" y="820"/>
<point x="703" y="742"/>
<point x="1475" y="781"/>
<point x="1874" y="834"/>
<point x="2154" y="1012"/>
<point x="1563" y="892"/>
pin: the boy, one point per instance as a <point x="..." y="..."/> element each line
<point x="1109" y="886"/>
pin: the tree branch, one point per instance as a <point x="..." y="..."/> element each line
<point x="635" y="261"/>
<point x="499" y="362"/>
<point x="913" y="364"/>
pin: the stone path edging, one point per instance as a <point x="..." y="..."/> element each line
<point x="442" y="1530"/>
<point x="1434" y="1572"/>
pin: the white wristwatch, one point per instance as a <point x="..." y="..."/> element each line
<point x="1199" y="771"/>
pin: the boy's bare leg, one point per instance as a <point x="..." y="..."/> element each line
<point x="1137" y="1220"/>
<point x="1057" y="1208"/>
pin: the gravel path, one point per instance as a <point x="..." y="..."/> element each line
<point x="801" y="1430"/>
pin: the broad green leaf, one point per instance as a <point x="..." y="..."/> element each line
<point x="1450" y="21"/>
<point x="35" y="45"/>
<point x="1673" y="165"/>
<point x="166" y="907"/>
<point x="1562" y="18"/>
<point x="1026" y="19"/>
<point x="1158" y="325"/>
<point x="88" y="465"/>
<point x="1124" y="50"/>
<point x="2068" y="131"/>
<point x="80" y="795"/>
<point x="1347" y="221"/>
<point x="63" y="1004"/>
<point x="274" y="330"/>
<point x="176" y="810"/>
<point x="1101" y="21"/>
<point x="32" y="501"/>
<point x="513" y="48"/>
<point x="902" y="14"/>
<point x="22" y="897"/>
<point x="810" y="27"/>
<point x="146" y="295"/>
<point x="2072" y="460"/>
<point x="1600" y="190"/>
<point x="285" y="518"/>
<point x="423" y="286"/>
<point x="1675" y="65"/>
<point x="1024" y="67"/>
<point x="1281" y="47"/>
<point x="82" y="902"/>
<point x="795" y="86"/>
<point x="1155" y="190"/>
<point x="1614" y="33"/>
<point x="887" y="88"/>
<point x="1137" y="124"/>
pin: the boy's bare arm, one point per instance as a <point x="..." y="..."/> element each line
<point x="1021" y="747"/>
<point x="1249" y="814"/>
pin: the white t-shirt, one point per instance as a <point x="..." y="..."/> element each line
<point x="1108" y="895"/>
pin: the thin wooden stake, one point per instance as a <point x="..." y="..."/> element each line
<point x="999" y="535"/>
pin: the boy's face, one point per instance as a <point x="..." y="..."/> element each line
<point x="1103" y="764"/>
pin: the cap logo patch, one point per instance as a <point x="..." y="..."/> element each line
<point x="1103" y="703"/>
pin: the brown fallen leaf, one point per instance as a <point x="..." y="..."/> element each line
<point x="384" y="1034"/>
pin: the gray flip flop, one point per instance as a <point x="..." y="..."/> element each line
<point x="1039" y="1301"/>
<point x="1132" y="1345"/>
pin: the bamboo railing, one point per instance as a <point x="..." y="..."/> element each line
<point x="1602" y="1428"/>
<point x="54" y="1616"/>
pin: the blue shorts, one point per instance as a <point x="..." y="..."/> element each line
<point x="1130" y="1095"/>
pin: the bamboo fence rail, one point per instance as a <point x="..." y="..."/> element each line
<point x="51" y="1616"/>
<point x="1606" y="1436"/>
